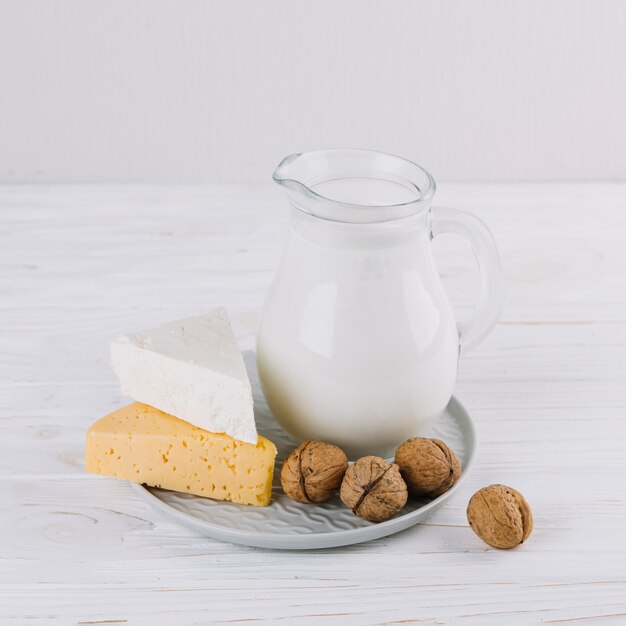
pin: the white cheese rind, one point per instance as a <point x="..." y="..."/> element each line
<point x="191" y="369"/>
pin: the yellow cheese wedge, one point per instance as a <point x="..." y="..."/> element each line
<point x="145" y="445"/>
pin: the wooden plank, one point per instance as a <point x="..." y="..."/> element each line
<point x="82" y="264"/>
<point x="70" y="540"/>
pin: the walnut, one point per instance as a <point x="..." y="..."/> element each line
<point x="313" y="471"/>
<point x="500" y="516"/>
<point x="373" y="489"/>
<point x="428" y="466"/>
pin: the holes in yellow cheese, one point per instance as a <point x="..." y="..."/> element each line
<point x="209" y="464"/>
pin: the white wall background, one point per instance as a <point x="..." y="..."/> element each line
<point x="194" y="91"/>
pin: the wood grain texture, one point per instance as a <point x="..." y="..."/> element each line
<point x="547" y="389"/>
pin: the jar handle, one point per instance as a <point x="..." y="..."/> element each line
<point x="481" y="241"/>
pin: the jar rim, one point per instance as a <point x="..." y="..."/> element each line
<point x="300" y="173"/>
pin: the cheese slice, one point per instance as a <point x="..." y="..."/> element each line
<point x="145" y="445"/>
<point x="191" y="369"/>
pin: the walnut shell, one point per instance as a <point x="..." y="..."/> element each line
<point x="500" y="516"/>
<point x="428" y="466"/>
<point x="373" y="489"/>
<point x="313" y="471"/>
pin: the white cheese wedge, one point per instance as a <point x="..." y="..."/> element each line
<point x="191" y="369"/>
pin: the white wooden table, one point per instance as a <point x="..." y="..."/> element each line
<point x="547" y="389"/>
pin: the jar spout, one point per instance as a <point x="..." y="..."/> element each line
<point x="285" y="175"/>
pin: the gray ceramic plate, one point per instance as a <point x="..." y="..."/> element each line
<point x="288" y="525"/>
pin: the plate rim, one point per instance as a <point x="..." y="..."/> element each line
<point x="334" y="538"/>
